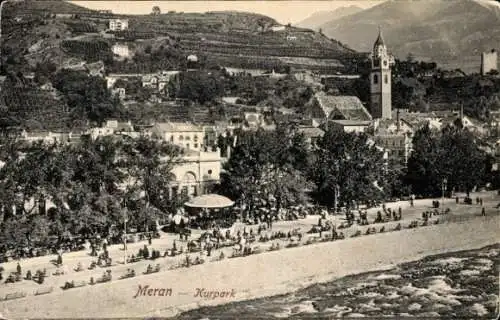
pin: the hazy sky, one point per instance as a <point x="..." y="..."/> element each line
<point x="283" y="11"/>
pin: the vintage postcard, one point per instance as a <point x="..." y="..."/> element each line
<point x="249" y="159"/>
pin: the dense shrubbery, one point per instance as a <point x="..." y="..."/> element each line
<point x="87" y="97"/>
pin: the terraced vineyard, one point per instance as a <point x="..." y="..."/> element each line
<point x="89" y="50"/>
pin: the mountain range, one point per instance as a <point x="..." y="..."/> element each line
<point x="451" y="33"/>
<point x="317" y="19"/>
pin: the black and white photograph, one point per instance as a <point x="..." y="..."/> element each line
<point x="243" y="159"/>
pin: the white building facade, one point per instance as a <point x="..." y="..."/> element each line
<point x="118" y="24"/>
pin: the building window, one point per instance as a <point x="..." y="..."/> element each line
<point x="196" y="145"/>
<point x="375" y="78"/>
<point x="210" y="171"/>
<point x="376" y="63"/>
<point x="171" y="138"/>
<point x="188" y="138"/>
<point x="181" y="138"/>
<point x="386" y="79"/>
<point x="195" y="138"/>
<point x="187" y="145"/>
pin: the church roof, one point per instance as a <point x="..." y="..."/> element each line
<point x="348" y="107"/>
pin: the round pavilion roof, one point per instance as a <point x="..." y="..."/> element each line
<point x="210" y="201"/>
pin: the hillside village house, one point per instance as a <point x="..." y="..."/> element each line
<point x="395" y="136"/>
<point x="113" y="77"/>
<point x="121" y="50"/>
<point x="311" y="134"/>
<point x="112" y="127"/>
<point x="159" y="80"/>
<point x="118" y="24"/>
<point x="357" y="126"/>
<point x="50" y="137"/>
<point x="188" y="135"/>
<point x="118" y="92"/>
<point x="277" y="28"/>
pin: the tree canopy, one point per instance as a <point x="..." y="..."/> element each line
<point x="351" y="162"/>
<point x="267" y="166"/>
<point x="451" y="154"/>
<point x="88" y="185"/>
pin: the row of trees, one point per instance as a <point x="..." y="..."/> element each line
<point x="281" y="167"/>
<point x="91" y="184"/>
<point x="452" y="155"/>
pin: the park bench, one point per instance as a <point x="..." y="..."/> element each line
<point x="413" y="224"/>
<point x="58" y="272"/>
<point x="356" y="234"/>
<point x="256" y="250"/>
<point x="274" y="247"/>
<point x="130" y="274"/>
<point x="15" y="295"/>
<point x="73" y="284"/>
<point x="13" y="277"/>
<point x="104" y="278"/>
<point x="134" y="259"/>
<point x="42" y="291"/>
<point x="151" y="270"/>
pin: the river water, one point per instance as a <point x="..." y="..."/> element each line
<point x="454" y="285"/>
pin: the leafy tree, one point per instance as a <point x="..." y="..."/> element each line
<point x="200" y="87"/>
<point x="351" y="162"/>
<point x="463" y="164"/>
<point x="423" y="164"/>
<point x="452" y="155"/>
<point x="148" y="164"/>
<point x="156" y="10"/>
<point x="264" y="164"/>
<point x="86" y="96"/>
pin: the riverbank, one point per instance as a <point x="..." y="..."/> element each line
<point x="265" y="274"/>
<point x="458" y="284"/>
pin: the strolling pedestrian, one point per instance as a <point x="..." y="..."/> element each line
<point x="483" y="212"/>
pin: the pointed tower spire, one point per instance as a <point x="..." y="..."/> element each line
<point x="380" y="38"/>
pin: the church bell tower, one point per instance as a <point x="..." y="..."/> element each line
<point x="380" y="80"/>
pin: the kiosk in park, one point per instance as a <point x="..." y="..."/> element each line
<point x="209" y="210"/>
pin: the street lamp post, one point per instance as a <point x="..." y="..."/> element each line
<point x="336" y="196"/>
<point x="124" y="236"/>
<point x="443" y="187"/>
